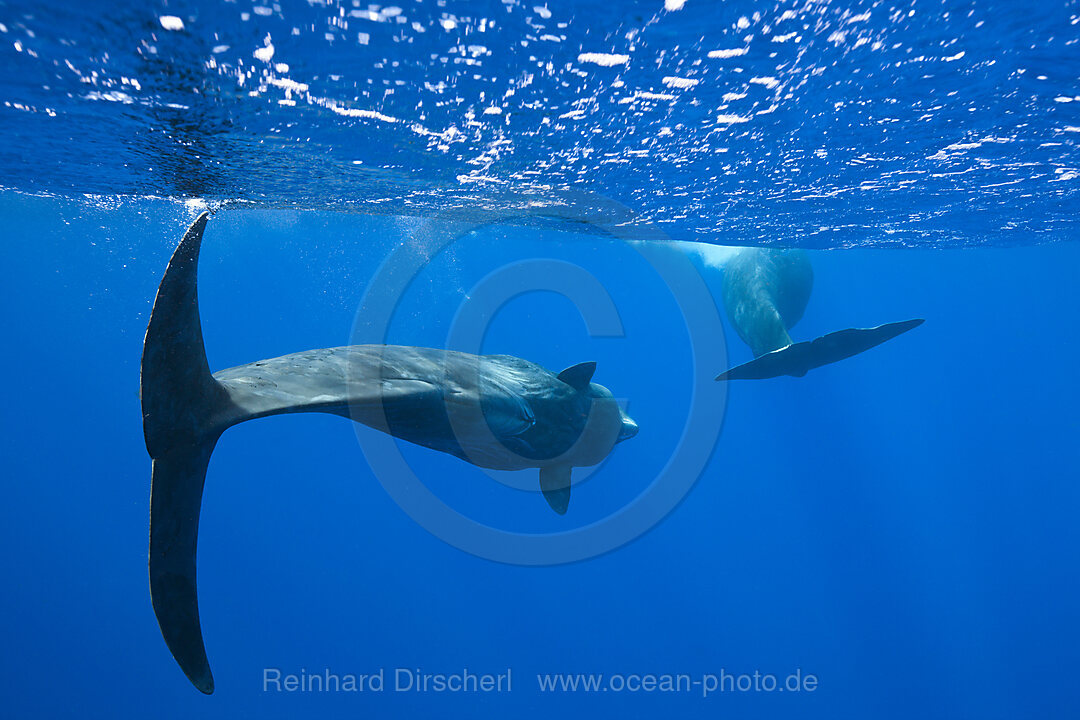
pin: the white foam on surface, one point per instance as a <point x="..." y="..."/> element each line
<point x="266" y="52"/>
<point x="170" y="22"/>
<point x="287" y="84"/>
<point x="963" y="146"/>
<point x="728" y="53"/>
<point x="112" y="96"/>
<point x="680" y="82"/>
<point x="603" y="59"/>
<point x="357" y="113"/>
<point x="714" y="256"/>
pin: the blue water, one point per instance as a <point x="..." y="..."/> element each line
<point x="900" y="525"/>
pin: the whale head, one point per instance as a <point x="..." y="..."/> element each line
<point x="599" y="424"/>
<point x="627" y="427"/>
<point x="605" y="425"/>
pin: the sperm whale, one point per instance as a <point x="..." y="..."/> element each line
<point x="765" y="293"/>
<point x="493" y="411"/>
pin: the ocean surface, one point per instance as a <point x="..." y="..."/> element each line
<point x="891" y="536"/>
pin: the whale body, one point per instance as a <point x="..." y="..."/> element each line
<point x="494" y="411"/>
<point x="765" y="293"/>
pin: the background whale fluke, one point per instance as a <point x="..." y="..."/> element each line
<point x="799" y="358"/>
<point x="765" y="294"/>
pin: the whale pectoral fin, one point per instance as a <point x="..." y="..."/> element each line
<point x="175" y="499"/>
<point x="555" y="484"/>
<point x="799" y="358"/>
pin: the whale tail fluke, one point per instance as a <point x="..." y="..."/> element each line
<point x="799" y="358"/>
<point x="181" y="407"/>
<point x="175" y="499"/>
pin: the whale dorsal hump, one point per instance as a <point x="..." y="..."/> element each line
<point x="555" y="483"/>
<point x="578" y="376"/>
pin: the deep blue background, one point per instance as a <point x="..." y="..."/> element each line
<point x="901" y="525"/>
